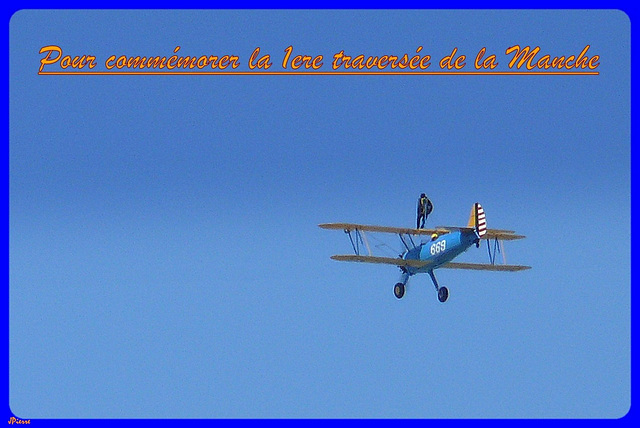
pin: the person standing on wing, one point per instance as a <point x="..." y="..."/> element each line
<point x="424" y="209"/>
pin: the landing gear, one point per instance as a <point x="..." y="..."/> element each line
<point x="443" y="294"/>
<point x="398" y="290"/>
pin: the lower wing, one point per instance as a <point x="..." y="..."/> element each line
<point x="483" y="266"/>
<point x="384" y="260"/>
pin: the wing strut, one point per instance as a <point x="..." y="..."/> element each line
<point x="498" y="247"/>
<point x="360" y="238"/>
<point x="402" y="238"/>
<point x="356" y="247"/>
<point x="366" y="242"/>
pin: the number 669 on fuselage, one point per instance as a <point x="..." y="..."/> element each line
<point x="445" y="245"/>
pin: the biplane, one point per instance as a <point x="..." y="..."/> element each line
<point x="425" y="256"/>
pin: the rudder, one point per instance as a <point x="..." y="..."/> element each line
<point x="478" y="220"/>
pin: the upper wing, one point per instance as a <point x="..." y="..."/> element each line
<point x="506" y="235"/>
<point x="482" y="266"/>
<point x="384" y="260"/>
<point x="383" y="229"/>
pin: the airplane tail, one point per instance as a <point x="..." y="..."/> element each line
<point x="477" y="219"/>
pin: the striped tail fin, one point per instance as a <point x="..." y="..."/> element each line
<point x="478" y="220"/>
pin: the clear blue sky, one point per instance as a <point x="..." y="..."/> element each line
<point x="165" y="259"/>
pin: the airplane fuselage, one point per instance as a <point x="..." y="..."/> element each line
<point x="441" y="250"/>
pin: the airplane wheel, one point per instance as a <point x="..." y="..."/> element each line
<point x="398" y="290"/>
<point x="443" y="294"/>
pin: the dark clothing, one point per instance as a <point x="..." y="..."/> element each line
<point x="424" y="209"/>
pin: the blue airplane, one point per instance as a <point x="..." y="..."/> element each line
<point x="445" y="244"/>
